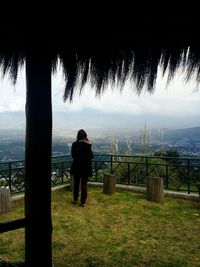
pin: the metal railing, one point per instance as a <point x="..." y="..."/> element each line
<point x="179" y="174"/>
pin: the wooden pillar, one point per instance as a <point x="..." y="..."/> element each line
<point x="5" y="201"/>
<point x="155" y="189"/>
<point x="38" y="228"/>
<point x="109" y="184"/>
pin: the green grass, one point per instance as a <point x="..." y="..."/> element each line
<point x="123" y="229"/>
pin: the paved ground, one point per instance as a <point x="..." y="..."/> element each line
<point x="138" y="189"/>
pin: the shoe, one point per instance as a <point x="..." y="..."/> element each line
<point x="74" y="202"/>
<point x="82" y="205"/>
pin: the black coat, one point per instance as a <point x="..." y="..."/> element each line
<point x="82" y="159"/>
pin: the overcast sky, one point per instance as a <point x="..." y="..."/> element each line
<point x="177" y="105"/>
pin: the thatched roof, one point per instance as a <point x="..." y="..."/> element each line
<point x="106" y="48"/>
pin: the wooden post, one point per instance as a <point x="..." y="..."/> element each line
<point x="155" y="189"/>
<point x="109" y="184"/>
<point x="38" y="231"/>
<point x="5" y="201"/>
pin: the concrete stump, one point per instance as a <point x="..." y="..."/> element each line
<point x="155" y="189"/>
<point x="109" y="184"/>
<point x="5" y="201"/>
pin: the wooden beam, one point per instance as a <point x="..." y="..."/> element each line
<point x="13" y="225"/>
<point x="38" y="229"/>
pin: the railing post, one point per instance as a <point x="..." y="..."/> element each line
<point x="62" y="171"/>
<point x="147" y="166"/>
<point x="9" y="175"/>
<point x="167" y="177"/>
<point x="111" y="164"/>
<point x="128" y="172"/>
<point x="96" y="171"/>
<point x="188" y="174"/>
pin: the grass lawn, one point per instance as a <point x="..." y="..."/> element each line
<point x="119" y="230"/>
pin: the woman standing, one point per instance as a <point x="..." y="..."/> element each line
<point x="81" y="167"/>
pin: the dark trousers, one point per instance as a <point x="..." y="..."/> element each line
<point x="83" y="181"/>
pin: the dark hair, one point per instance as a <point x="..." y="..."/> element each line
<point x="81" y="135"/>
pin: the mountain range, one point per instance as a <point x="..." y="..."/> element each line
<point x="98" y="126"/>
<point x="90" y="118"/>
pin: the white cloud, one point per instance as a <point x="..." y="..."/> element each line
<point x="12" y="98"/>
<point x="177" y="100"/>
<point x="18" y="104"/>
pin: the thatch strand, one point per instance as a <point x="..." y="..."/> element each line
<point x="54" y="64"/>
<point x="10" y="63"/>
<point x="70" y="70"/>
<point x="103" y="66"/>
<point x="140" y="65"/>
<point x="193" y="64"/>
<point x="84" y="68"/>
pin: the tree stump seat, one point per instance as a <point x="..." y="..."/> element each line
<point x="5" y="200"/>
<point x="155" y="189"/>
<point x="109" y="184"/>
